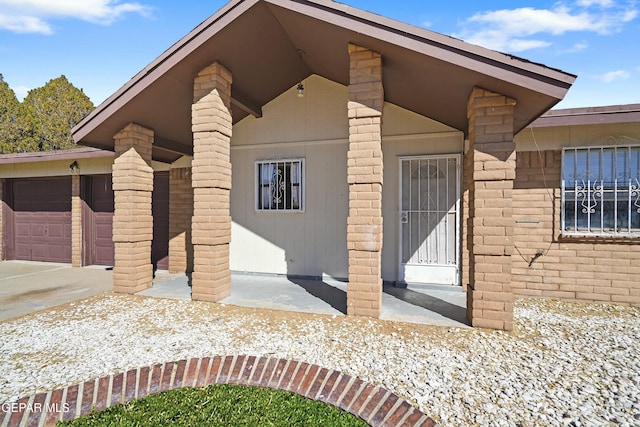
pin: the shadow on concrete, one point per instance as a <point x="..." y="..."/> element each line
<point x="429" y="302"/>
<point x="336" y="298"/>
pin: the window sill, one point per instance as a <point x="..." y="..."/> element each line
<point x="599" y="238"/>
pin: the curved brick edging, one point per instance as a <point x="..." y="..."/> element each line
<point x="374" y="404"/>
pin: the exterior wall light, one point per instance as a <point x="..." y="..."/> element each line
<point x="73" y="167"/>
<point x="300" y="87"/>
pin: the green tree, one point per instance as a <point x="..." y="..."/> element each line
<point x="53" y="110"/>
<point x="16" y="134"/>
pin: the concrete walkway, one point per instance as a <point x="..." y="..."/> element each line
<point x="26" y="286"/>
<point x="425" y="304"/>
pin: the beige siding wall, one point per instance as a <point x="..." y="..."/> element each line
<point x="91" y="166"/>
<point x="555" y="138"/>
<point x="316" y="128"/>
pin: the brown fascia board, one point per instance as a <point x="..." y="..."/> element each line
<point x="514" y="70"/>
<point x="163" y="63"/>
<point x="611" y="114"/>
<point x="51" y="156"/>
<point x="510" y="68"/>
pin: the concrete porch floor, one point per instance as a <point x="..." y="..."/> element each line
<point x="439" y="305"/>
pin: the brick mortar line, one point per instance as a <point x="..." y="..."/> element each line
<point x="190" y="380"/>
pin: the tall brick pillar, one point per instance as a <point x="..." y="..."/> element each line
<point x="132" y="219"/>
<point x="180" y="213"/>
<point x="490" y="229"/>
<point x="364" y="171"/>
<point x="76" y="222"/>
<point x="211" y="181"/>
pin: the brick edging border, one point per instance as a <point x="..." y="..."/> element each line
<point x="374" y="404"/>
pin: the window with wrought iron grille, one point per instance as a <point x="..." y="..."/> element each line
<point x="601" y="191"/>
<point x="280" y="185"/>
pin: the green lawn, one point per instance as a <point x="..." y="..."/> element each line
<point x="220" y="405"/>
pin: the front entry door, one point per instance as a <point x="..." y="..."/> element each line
<point x="429" y="219"/>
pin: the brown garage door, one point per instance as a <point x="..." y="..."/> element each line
<point x="42" y="219"/>
<point x="102" y="220"/>
<point x="98" y="233"/>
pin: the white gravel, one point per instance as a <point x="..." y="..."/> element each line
<point x="565" y="364"/>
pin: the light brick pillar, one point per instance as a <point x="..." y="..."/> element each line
<point x="364" y="224"/>
<point x="490" y="229"/>
<point x="132" y="219"/>
<point x="211" y="181"/>
<point x="76" y="222"/>
<point x="180" y="213"/>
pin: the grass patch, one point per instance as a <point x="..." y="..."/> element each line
<point x="220" y="405"/>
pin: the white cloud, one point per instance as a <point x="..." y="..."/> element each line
<point x="578" y="47"/>
<point x="32" y="16"/>
<point x="589" y="3"/>
<point x="520" y="29"/>
<point x="24" y="24"/>
<point x="614" y="75"/>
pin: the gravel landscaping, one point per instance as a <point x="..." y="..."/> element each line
<point x="565" y="364"/>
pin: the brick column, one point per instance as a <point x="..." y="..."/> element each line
<point x="132" y="219"/>
<point x="364" y="171"/>
<point x="180" y="213"/>
<point x="76" y="222"/>
<point x="490" y="229"/>
<point x="211" y="181"/>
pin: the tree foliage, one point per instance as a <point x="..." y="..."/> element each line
<point x="16" y="134"/>
<point x="43" y="121"/>
<point x="53" y="110"/>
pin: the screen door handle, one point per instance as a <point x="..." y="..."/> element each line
<point x="404" y="218"/>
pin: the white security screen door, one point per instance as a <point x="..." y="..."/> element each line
<point x="429" y="219"/>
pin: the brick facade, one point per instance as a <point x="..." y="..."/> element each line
<point x="76" y="222"/>
<point x="491" y="171"/>
<point x="180" y="213"/>
<point x="132" y="219"/>
<point x="211" y="181"/>
<point x="545" y="264"/>
<point x="364" y="171"/>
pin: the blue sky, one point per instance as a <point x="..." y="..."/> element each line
<point x="100" y="44"/>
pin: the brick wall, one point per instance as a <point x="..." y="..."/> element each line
<point x="180" y="213"/>
<point x="583" y="269"/>
<point x="364" y="172"/>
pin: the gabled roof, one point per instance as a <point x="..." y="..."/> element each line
<point x="259" y="41"/>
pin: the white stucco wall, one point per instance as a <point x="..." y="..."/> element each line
<point x="316" y="128"/>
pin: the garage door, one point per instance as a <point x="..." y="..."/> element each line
<point x="102" y="220"/>
<point x="42" y="219"/>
